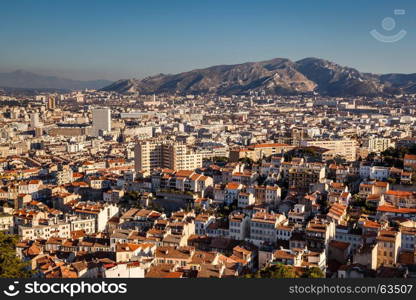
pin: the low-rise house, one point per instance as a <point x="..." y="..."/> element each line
<point x="352" y="236"/>
<point x="298" y="215"/>
<point x="6" y="222"/>
<point x="287" y="257"/>
<point x="339" y="251"/>
<point x="245" y="177"/>
<point x="139" y="219"/>
<point x="297" y="240"/>
<point x="126" y="251"/>
<point x="408" y="236"/>
<point x="284" y="233"/>
<point x="124" y="270"/>
<point x="113" y="196"/>
<point x="366" y="255"/>
<point x="180" y="256"/>
<point x="337" y="213"/>
<point x="28" y="232"/>
<point x="374" y="172"/>
<point x="239" y="224"/>
<point x="319" y="233"/>
<point x="201" y="223"/>
<point x="263" y="227"/>
<point x="315" y="259"/>
<point x="102" y="213"/>
<point x="266" y="194"/>
<point x="401" y="199"/>
<point x="245" y="199"/>
<point x="409" y="162"/>
<point x="375" y="200"/>
<point x="388" y="246"/>
<point x="124" y="236"/>
<point x="218" y="228"/>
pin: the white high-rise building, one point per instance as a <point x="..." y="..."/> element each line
<point x="101" y="120"/>
<point x="375" y="144"/>
<point x="34" y="121"/>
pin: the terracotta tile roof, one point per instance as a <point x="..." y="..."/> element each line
<point x="268" y="145"/>
<point x="393" y="209"/>
<point x="339" y="245"/>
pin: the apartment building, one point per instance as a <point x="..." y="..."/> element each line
<point x="264" y="227"/>
<point x="265" y="194"/>
<point x="6" y="222"/>
<point x="378" y="144"/>
<point x="388" y="246"/>
<point x="302" y="175"/>
<point x="124" y="270"/>
<point x="202" y="222"/>
<point x="401" y="199"/>
<point x="228" y="193"/>
<point x="100" y="212"/>
<point x="258" y="151"/>
<point x="101" y="121"/>
<point x="347" y="235"/>
<point x="28" y="232"/>
<point x="298" y="214"/>
<point x="86" y="224"/>
<point x="409" y="162"/>
<point x="245" y="199"/>
<point x="344" y="148"/>
<point x="174" y="255"/>
<point x="141" y="219"/>
<point x="181" y="180"/>
<point x="126" y="251"/>
<point x="374" y="172"/>
<point x="149" y="155"/>
<point x="408" y="235"/>
<point x="239" y="226"/>
<point x="319" y="233"/>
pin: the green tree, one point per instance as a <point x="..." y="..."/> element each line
<point x="314" y="272"/>
<point x="274" y="271"/>
<point x="283" y="271"/>
<point x="220" y="159"/>
<point x="392" y="180"/>
<point x="371" y="156"/>
<point x="248" y="161"/>
<point x="10" y="265"/>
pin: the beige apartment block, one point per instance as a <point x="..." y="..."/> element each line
<point x="149" y="155"/>
<point x="343" y="148"/>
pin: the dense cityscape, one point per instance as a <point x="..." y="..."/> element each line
<point x="101" y="184"/>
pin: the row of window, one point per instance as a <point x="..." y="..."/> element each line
<point x="262" y="225"/>
<point x="264" y="232"/>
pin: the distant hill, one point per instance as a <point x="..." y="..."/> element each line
<point x="276" y="76"/>
<point x="29" y="80"/>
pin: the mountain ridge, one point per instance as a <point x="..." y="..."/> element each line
<point x="279" y="76"/>
<point x="29" y="80"/>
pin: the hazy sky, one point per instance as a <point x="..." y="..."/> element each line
<point x="92" y="39"/>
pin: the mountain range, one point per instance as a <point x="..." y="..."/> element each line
<point x="278" y="76"/>
<point x="29" y="80"/>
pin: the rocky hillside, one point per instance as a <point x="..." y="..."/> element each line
<point x="277" y="76"/>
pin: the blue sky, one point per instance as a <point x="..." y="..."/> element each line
<point x="91" y="39"/>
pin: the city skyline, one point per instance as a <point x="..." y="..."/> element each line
<point x="236" y="139"/>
